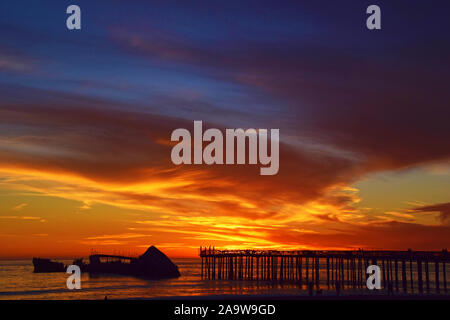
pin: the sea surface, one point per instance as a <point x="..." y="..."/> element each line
<point x="17" y="281"/>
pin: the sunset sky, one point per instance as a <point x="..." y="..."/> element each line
<point x="86" y="118"/>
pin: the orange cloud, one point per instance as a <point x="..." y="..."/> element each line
<point x="115" y="157"/>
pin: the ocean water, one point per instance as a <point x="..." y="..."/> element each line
<point x="17" y="281"/>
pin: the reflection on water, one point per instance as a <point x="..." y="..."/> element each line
<point x="17" y="281"/>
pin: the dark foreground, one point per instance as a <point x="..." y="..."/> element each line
<point x="348" y="307"/>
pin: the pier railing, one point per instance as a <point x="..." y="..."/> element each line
<point x="406" y="271"/>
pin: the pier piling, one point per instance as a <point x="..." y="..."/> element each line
<point x="340" y="269"/>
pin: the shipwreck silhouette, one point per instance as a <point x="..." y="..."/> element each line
<point x="153" y="264"/>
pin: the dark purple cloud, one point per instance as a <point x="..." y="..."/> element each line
<point x="443" y="209"/>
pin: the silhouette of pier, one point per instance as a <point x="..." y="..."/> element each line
<point x="401" y="271"/>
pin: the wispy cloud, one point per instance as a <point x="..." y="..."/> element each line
<point x="118" y="236"/>
<point x="19" y="207"/>
<point x="23" y="218"/>
<point x="14" y="64"/>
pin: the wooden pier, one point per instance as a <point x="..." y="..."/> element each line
<point x="401" y="271"/>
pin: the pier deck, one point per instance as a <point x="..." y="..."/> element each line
<point x="406" y="271"/>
